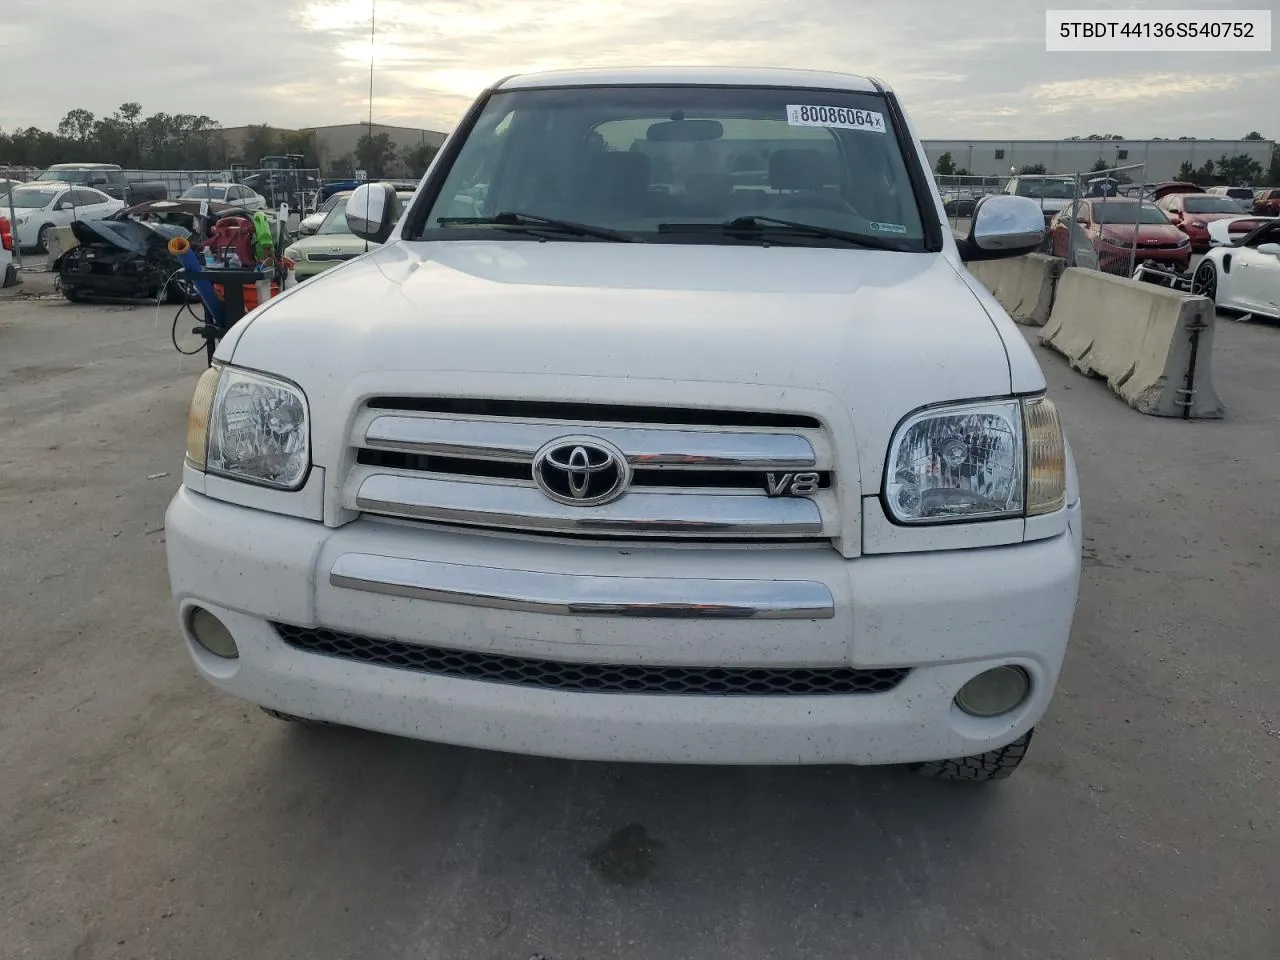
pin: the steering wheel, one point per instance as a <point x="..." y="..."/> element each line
<point x="815" y="201"/>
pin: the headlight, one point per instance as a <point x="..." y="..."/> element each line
<point x="1198" y="224"/>
<point x="291" y="253"/>
<point x="249" y="426"/>
<point x="977" y="461"/>
<point x="1184" y="241"/>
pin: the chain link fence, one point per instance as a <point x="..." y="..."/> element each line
<point x="297" y="188"/>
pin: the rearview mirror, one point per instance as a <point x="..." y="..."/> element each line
<point x="371" y="211"/>
<point x="684" y="131"/>
<point x="1003" y="226"/>
<point x="1270" y="248"/>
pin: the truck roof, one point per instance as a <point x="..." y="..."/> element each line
<point x="726" y="76"/>
<point x="83" y="166"/>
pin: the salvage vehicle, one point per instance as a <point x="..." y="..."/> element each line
<point x="626" y="461"/>
<point x="8" y="269"/>
<point x="120" y="259"/>
<point x="232" y="194"/>
<point x="1108" y="226"/>
<point x="1051" y="193"/>
<point x="1242" y="273"/>
<point x="42" y="205"/>
<point x="1266" y="203"/>
<point x="1193" y="213"/>
<point x="333" y="243"/>
<point x="309" y="224"/>
<point x="109" y="178"/>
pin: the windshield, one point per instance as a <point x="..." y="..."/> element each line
<point x="1047" y="189"/>
<point x="203" y="193"/>
<point x="630" y="159"/>
<point x="336" y="220"/>
<point x="28" y="199"/>
<point x="1206" y="204"/>
<point x="66" y="176"/>
<point x="1125" y="212"/>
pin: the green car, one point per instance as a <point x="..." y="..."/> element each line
<point x="332" y="244"/>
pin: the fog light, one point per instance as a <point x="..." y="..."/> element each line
<point x="994" y="692"/>
<point x="212" y="634"/>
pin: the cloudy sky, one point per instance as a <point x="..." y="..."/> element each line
<point x="965" y="68"/>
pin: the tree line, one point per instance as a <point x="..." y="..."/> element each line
<point x="163" y="141"/>
<point x="1240" y="170"/>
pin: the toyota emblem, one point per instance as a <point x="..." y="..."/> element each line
<point x="583" y="471"/>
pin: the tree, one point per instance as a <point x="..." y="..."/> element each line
<point x="417" y="159"/>
<point x="963" y="172"/>
<point x="1032" y="169"/>
<point x="1098" y="166"/>
<point x="375" y="154"/>
<point x="301" y="142"/>
<point x="344" y="166"/>
<point x="1273" y="175"/>
<point x="260" y="141"/>
<point x="945" y="166"/>
<point x="1186" y="172"/>
<point x="1253" y="135"/>
<point x="1238" y="171"/>
<point x="1099" y="136"/>
<point x="77" y="125"/>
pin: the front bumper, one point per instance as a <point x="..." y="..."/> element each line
<point x="945" y="615"/>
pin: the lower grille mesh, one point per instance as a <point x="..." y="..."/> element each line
<point x="593" y="677"/>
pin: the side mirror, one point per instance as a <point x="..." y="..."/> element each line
<point x="371" y="211"/>
<point x="1003" y="226"/>
<point x="1270" y="248"/>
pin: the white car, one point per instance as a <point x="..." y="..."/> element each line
<point x="1242" y="273"/>
<point x="632" y="460"/>
<point x="235" y="194"/>
<point x="42" y="205"/>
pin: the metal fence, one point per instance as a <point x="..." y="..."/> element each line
<point x="297" y="188"/>
<point x="1094" y="219"/>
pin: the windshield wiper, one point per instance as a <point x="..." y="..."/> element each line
<point x="510" y="218"/>
<point x="757" y="225"/>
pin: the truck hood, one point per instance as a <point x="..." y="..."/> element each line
<point x="856" y="338"/>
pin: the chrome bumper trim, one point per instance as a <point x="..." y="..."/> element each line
<point x="583" y="595"/>
<point x="495" y="440"/>
<point x="518" y="507"/>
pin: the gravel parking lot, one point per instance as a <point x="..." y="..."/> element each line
<point x="144" y="816"/>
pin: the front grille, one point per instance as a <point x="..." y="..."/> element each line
<point x="593" y="677"/>
<point x="694" y="473"/>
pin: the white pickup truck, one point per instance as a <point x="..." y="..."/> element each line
<point x="666" y="424"/>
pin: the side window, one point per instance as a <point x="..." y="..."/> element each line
<point x="115" y="176"/>
<point x="83" y="197"/>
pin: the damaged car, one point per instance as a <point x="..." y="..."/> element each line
<point x="120" y="260"/>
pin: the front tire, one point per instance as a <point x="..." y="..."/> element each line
<point x="992" y="765"/>
<point x="42" y="238"/>
<point x="1205" y="281"/>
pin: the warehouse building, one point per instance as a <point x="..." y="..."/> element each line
<point x="1163" y="158"/>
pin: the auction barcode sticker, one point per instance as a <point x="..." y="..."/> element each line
<point x="1165" y="31"/>
<point x="843" y="117"/>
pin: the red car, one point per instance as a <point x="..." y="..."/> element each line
<point x="1109" y="225"/>
<point x="1193" y="212"/>
<point x="1266" y="203"/>
<point x="1167" y="188"/>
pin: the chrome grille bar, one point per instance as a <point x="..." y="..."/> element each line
<point x="644" y="447"/>
<point x="519" y="507"/>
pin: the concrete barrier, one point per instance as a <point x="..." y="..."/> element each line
<point x="1153" y="346"/>
<point x="1023" y="285"/>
